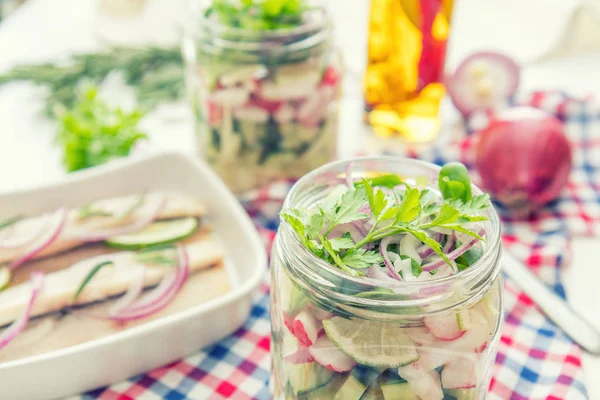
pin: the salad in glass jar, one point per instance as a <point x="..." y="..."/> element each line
<point x="265" y="86"/>
<point x="385" y="286"/>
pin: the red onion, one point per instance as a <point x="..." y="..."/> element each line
<point x="37" y="280"/>
<point x="149" y="216"/>
<point x="160" y="296"/>
<point x="425" y="251"/>
<point x="523" y="158"/>
<point x="454" y="255"/>
<point x="484" y="80"/>
<point x="133" y="292"/>
<point x="58" y="223"/>
<point x="27" y="239"/>
<point x="385" y="242"/>
<point x="449" y="243"/>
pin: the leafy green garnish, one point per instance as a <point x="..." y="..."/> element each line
<point x="92" y="133"/>
<point x="455" y="182"/>
<point x="10" y="221"/>
<point x="413" y="211"/>
<point x="157" y="254"/>
<point x="88" y="210"/>
<point x="89" y="277"/>
<point x="389" y="181"/>
<point x="259" y="14"/>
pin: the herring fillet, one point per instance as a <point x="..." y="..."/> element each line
<point x="60" y="286"/>
<point x="55" y="331"/>
<point x="176" y="205"/>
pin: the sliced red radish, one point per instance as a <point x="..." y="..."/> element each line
<point x="300" y="356"/>
<point x="243" y="74"/>
<point x="267" y="105"/>
<point x="306" y="328"/>
<point x="285" y="113"/>
<point x="214" y="113"/>
<point x="447" y="327"/>
<point x="230" y="97"/>
<point x="435" y="357"/>
<point x="331" y="77"/>
<point x="426" y="384"/>
<point x="288" y="321"/>
<point x="421" y="336"/>
<point x="328" y="355"/>
<point x="483" y="80"/>
<point x="319" y="313"/>
<point x="460" y="373"/>
<point x="477" y="336"/>
<point x="251" y="113"/>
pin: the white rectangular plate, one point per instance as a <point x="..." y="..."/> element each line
<point x="113" y="358"/>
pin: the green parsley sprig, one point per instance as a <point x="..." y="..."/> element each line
<point x="409" y="210"/>
<point x="259" y="14"/>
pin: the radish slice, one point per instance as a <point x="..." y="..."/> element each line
<point x="447" y="327"/>
<point x="328" y="355"/>
<point x="58" y="223"/>
<point x="420" y="336"/>
<point x="133" y="292"/>
<point x="160" y="296"/>
<point x="300" y="356"/>
<point x="284" y="114"/>
<point x="288" y="321"/>
<point x="37" y="280"/>
<point x="460" y="373"/>
<point x="426" y="384"/>
<point x="251" y="113"/>
<point x="348" y="177"/>
<point x="306" y="328"/>
<point x="319" y="313"/>
<point x="150" y="212"/>
<point x="483" y="80"/>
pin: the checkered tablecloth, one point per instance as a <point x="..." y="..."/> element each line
<point x="535" y="360"/>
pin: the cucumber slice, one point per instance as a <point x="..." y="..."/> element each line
<point x="307" y="377"/>
<point x="157" y="233"/>
<point x="460" y="394"/>
<point x="328" y="391"/>
<point x="376" y="344"/>
<point x="373" y="392"/>
<point x="356" y="384"/>
<point x="393" y="387"/>
<point x="5" y="276"/>
<point x="292" y="298"/>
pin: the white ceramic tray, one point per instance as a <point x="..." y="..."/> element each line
<point x="113" y="358"/>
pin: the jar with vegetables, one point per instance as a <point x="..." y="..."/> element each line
<point x="385" y="284"/>
<point x="264" y="81"/>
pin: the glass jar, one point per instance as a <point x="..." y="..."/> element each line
<point x="388" y="337"/>
<point x="265" y="102"/>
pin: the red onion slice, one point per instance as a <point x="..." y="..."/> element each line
<point x="449" y="243"/>
<point x="484" y="80"/>
<point x="454" y="255"/>
<point x="133" y="292"/>
<point x="385" y="242"/>
<point x="58" y="223"/>
<point x="23" y="241"/>
<point x="153" y="209"/>
<point x="37" y="280"/>
<point x="425" y="251"/>
<point x="160" y="296"/>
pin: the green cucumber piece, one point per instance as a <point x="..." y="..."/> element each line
<point x="352" y="389"/>
<point x="376" y="344"/>
<point x="5" y="276"/>
<point x="373" y="392"/>
<point x="307" y="377"/>
<point x="328" y="391"/>
<point x="460" y="394"/>
<point x="394" y="387"/>
<point x="160" y="232"/>
<point x="292" y="298"/>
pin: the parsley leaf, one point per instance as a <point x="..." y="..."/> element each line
<point x="410" y="208"/>
<point x="388" y="180"/>
<point x="341" y="243"/>
<point x="361" y="258"/>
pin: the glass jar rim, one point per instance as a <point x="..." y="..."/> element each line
<point x="486" y="261"/>
<point x="315" y="25"/>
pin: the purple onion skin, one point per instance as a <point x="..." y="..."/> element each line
<point x="454" y="255"/>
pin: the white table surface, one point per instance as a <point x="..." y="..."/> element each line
<point x="47" y="29"/>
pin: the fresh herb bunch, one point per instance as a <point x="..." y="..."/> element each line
<point x="400" y="209"/>
<point x="259" y="14"/>
<point x="155" y="73"/>
<point x="91" y="133"/>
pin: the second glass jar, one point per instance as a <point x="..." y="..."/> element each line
<point x="265" y="102"/>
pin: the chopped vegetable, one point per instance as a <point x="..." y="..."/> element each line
<point x="37" y="281"/>
<point x="159" y="232"/>
<point x="5" y="276"/>
<point x="538" y="142"/>
<point x="259" y="14"/>
<point x="89" y="277"/>
<point x="10" y="221"/>
<point x="91" y="133"/>
<point x="390" y="215"/>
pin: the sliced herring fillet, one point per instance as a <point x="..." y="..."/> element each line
<point x="54" y="332"/>
<point x="176" y="205"/>
<point x="60" y="286"/>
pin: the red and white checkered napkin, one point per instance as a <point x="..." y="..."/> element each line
<point x="535" y="361"/>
